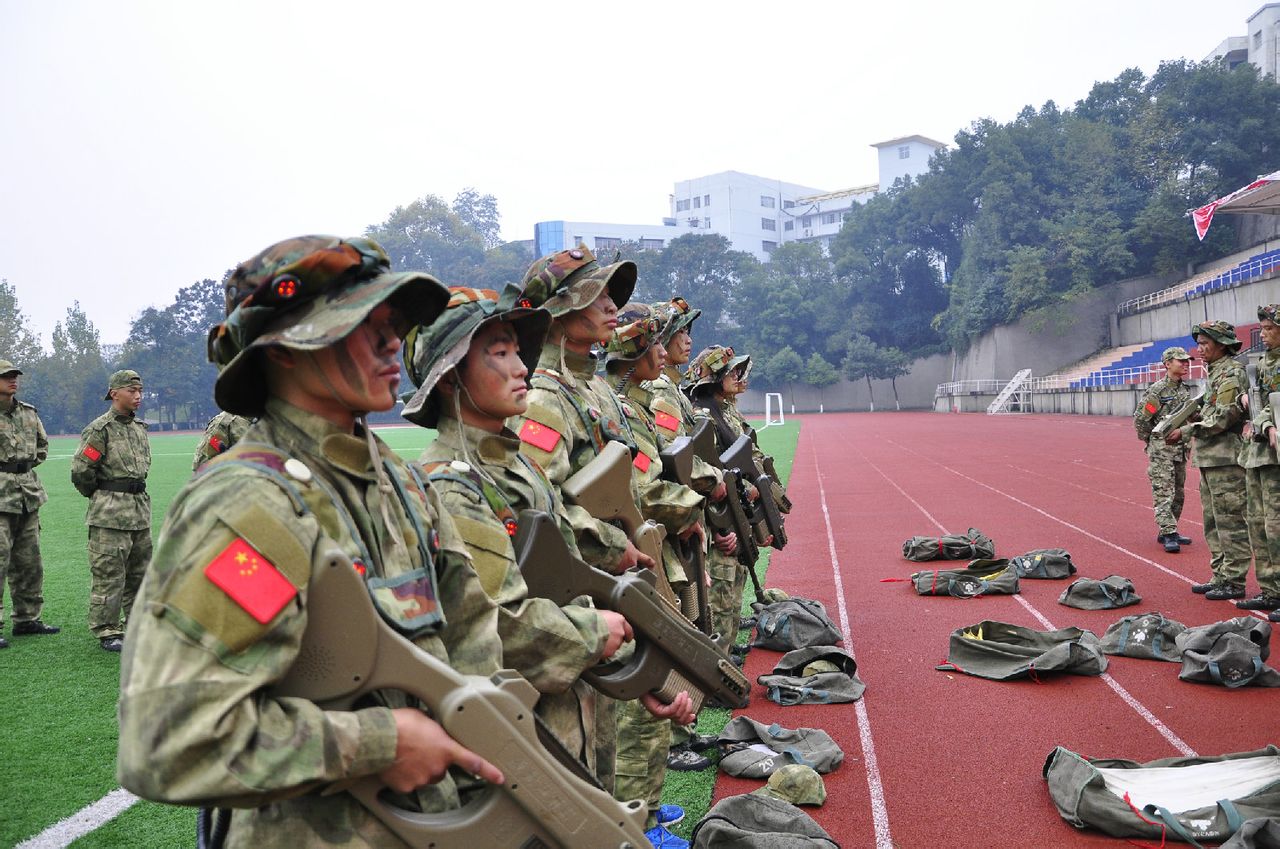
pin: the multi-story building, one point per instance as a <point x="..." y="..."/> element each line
<point x="1260" y="46"/>
<point x="756" y="214"/>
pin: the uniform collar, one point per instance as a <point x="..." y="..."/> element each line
<point x="580" y="365"/>
<point x="639" y="394"/>
<point x="312" y="434"/>
<point x="495" y="449"/>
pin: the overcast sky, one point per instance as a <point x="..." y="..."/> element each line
<point x="147" y="145"/>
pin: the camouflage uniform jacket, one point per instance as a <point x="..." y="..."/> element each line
<point x="549" y="645"/>
<point x="673" y="414"/>
<point x="1217" y="434"/>
<point x="22" y="440"/>
<point x="199" y="723"/>
<point x="555" y="434"/>
<point x="113" y="447"/>
<point x="1161" y="399"/>
<point x="1254" y="454"/>
<point x="222" y="431"/>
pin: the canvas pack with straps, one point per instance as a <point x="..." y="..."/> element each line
<point x="794" y="623"/>
<point x="752" y="749"/>
<point x="817" y="675"/>
<point x="1230" y="653"/>
<point x="1092" y="594"/>
<point x="980" y="577"/>
<point x="751" y="821"/>
<point x="949" y="547"/>
<point x="1001" y="651"/>
<point x="1146" y="635"/>
<point x="1044" y="563"/>
<point x="1191" y="799"/>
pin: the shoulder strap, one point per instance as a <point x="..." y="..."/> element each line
<point x="473" y="480"/>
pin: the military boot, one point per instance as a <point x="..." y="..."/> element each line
<point x="1181" y="539"/>
<point x="1170" y="543"/>
<point x="1223" y="592"/>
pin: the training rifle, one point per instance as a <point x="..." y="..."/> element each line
<point x="348" y="651"/>
<point x="670" y="654"/>
<point x="1178" y="417"/>
<point x="603" y="488"/>
<point x="784" y="503"/>
<point x="677" y="467"/>
<point x="764" y="510"/>
<point x="1253" y="403"/>
<point x="731" y="514"/>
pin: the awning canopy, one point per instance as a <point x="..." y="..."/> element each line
<point x="1262" y="195"/>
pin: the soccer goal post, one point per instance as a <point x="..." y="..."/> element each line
<point x="772" y="399"/>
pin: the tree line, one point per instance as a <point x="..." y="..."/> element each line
<point x="1015" y="218"/>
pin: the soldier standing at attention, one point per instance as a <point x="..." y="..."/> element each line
<point x="110" y="469"/>
<point x="1262" y="471"/>
<point x="1166" y="464"/>
<point x="23" y="446"/>
<point x="1216" y="439"/>
<point x="311" y="346"/>
<point x="222" y="431"/>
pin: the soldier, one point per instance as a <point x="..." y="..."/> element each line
<point x="110" y="469"/>
<point x="1216" y="439"/>
<point x="223" y="430"/>
<point x="311" y="344"/>
<point x="1262" y="471"/>
<point x="23" y="446"/>
<point x="470" y="367"/>
<point x="1166" y="464"/>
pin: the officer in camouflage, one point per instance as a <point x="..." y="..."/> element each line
<point x="1262" y="470"/>
<point x="23" y="446"/>
<point x="311" y="344"/>
<point x="110" y="469"/>
<point x="1166" y="464"/>
<point x="1216" y="440"/>
<point x="223" y="430"/>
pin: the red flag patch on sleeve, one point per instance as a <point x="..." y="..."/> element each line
<point x="251" y="580"/>
<point x="666" y="421"/>
<point x="215" y="443"/>
<point x="1152" y="408"/>
<point x="92" y="453"/>
<point x="539" y="435"/>
<point x="642" y="461"/>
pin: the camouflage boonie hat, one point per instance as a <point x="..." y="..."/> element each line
<point x="712" y="364"/>
<point x="570" y="280"/>
<point x="795" y="783"/>
<point x="431" y="351"/>
<point x="1175" y="353"/>
<point x="638" y="329"/>
<point x="306" y="294"/>
<point x="7" y="367"/>
<point x="675" y="315"/>
<point x="1222" y="332"/>
<point x="121" y="379"/>
<point x="1269" y="312"/>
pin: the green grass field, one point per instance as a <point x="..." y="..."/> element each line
<point x="58" y="696"/>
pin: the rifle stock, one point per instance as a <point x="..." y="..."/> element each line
<point x="784" y="504"/>
<point x="1178" y="417"/>
<point x="670" y="654"/>
<point x="729" y="515"/>
<point x="348" y="651"/>
<point x="1252" y="400"/>
<point x="677" y="466"/>
<point x="764" y="510"/>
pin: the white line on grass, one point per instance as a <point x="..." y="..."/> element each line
<point x="64" y="832"/>
<point x="879" y="811"/>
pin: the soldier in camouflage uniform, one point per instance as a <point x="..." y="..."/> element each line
<point x="1216" y="440"/>
<point x="110" y="469"/>
<point x="470" y="367"/>
<point x="1262" y="470"/>
<point x="222" y="431"/>
<point x="23" y="446"/>
<point x="1166" y="464"/>
<point x="312" y="344"/>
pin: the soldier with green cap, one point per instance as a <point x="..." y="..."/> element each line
<point x="1166" y="464"/>
<point x="1262" y="470"/>
<point x="223" y="430"/>
<point x="1216" y="440"/>
<point x="470" y="367"/>
<point x="110" y="469"/>
<point x="311" y="344"/>
<point x="23" y="446"/>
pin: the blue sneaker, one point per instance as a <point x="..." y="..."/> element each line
<point x="660" y="838"/>
<point x="669" y="815"/>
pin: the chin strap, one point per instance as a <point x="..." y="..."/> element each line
<point x="385" y="490"/>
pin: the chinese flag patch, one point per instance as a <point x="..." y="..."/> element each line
<point x="216" y="444"/>
<point x="539" y="435"/>
<point x="642" y="461"/>
<point x="251" y="580"/>
<point x="92" y="453"/>
<point x="1152" y="408"/>
<point x="666" y="421"/>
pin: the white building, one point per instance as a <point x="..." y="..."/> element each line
<point x="756" y="214"/>
<point x="1260" y="46"/>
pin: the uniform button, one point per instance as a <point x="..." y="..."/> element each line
<point x="459" y="466"/>
<point x="297" y="470"/>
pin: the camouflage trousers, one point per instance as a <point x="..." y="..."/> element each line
<point x="117" y="561"/>
<point x="1262" y="487"/>
<point x="1226" y="530"/>
<point x="20" y="562"/>
<point x="728" y="579"/>
<point x="641" y="765"/>
<point x="1167" y="471"/>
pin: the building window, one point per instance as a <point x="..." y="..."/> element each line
<point x="706" y="200"/>
<point x="706" y="222"/>
<point x="697" y="203"/>
<point x="682" y="205"/>
<point x="1257" y="40"/>
<point x="830" y="218"/>
<point x="650" y="244"/>
<point x="788" y="226"/>
<point x="806" y="221"/>
<point x="768" y="224"/>
<point x="604" y="243"/>
<point x="904" y="152"/>
<point x="767" y="202"/>
<point x="769" y="247"/>
<point x="788" y="204"/>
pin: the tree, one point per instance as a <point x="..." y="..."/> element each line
<point x="862" y="360"/>
<point x="894" y="363"/>
<point x="783" y="369"/>
<point x="820" y="373"/>
<point x="20" y="345"/>
<point x="480" y="213"/>
<point x="707" y="272"/>
<point x="69" y="384"/>
<point x="428" y="236"/>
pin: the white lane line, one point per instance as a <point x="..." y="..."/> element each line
<point x="1140" y="505"/>
<point x="66" y="831"/>
<point x="879" y="811"/>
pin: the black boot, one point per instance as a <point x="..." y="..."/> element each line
<point x="1170" y="543"/>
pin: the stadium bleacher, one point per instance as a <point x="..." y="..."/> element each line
<point x="1254" y="268"/>
<point x="1144" y="366"/>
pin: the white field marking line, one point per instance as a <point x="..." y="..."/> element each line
<point x="1084" y="465"/>
<point x="1094" y="491"/>
<point x="65" y="831"/>
<point x="1128" y="698"/>
<point x="879" y="811"/>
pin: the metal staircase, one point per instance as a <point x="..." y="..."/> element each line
<point x="1013" y="395"/>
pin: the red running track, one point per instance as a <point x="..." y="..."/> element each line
<point x="942" y="759"/>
